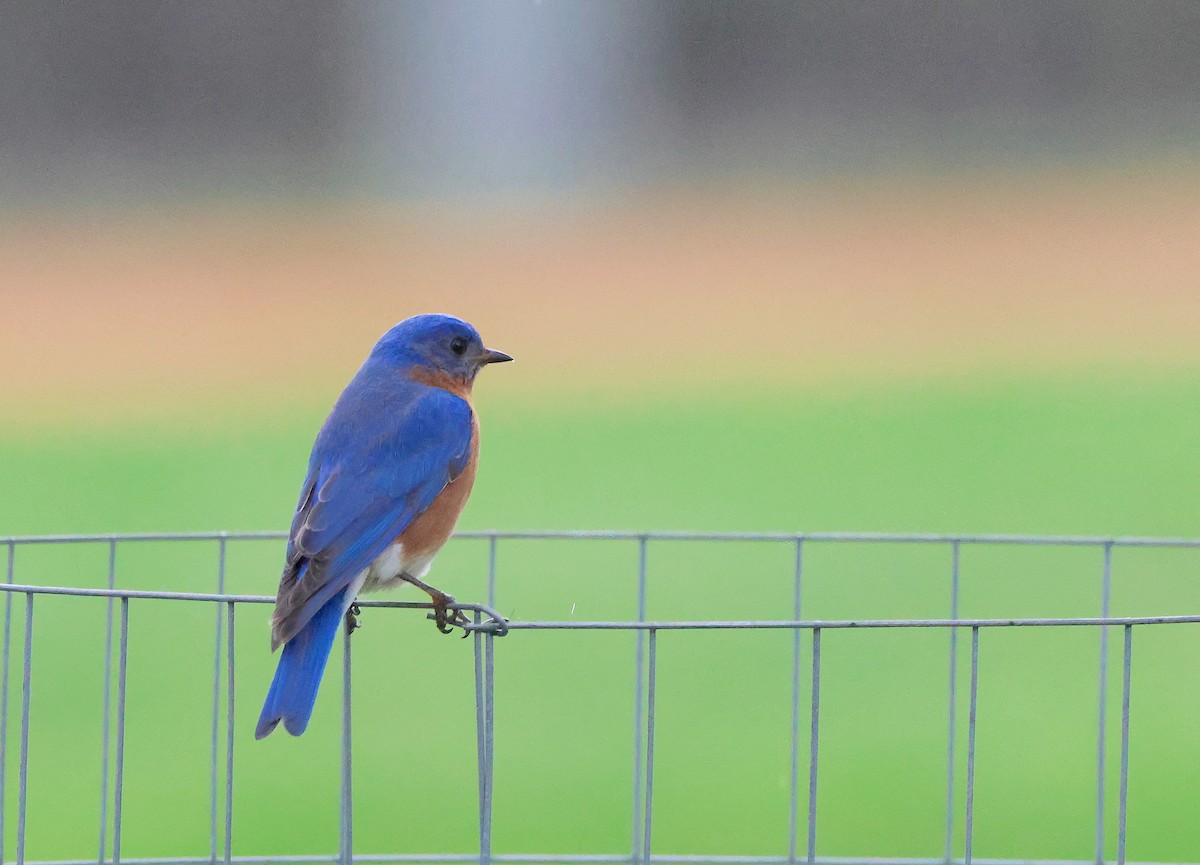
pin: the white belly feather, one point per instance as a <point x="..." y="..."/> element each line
<point x="385" y="571"/>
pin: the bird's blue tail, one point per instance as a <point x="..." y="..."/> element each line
<point x="301" y="665"/>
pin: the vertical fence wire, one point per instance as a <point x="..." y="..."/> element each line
<point x="638" y="699"/>
<point x="106" y="733"/>
<point x="650" y="689"/>
<point x="229" y="719"/>
<point x="119" y="778"/>
<point x="952" y="711"/>
<point x="484" y="664"/>
<point x="346" y="823"/>
<point x="814" y="730"/>
<point x="216" y="703"/>
<point x="484" y="704"/>
<point x="1102" y="703"/>
<point x="480" y="734"/>
<point x="4" y="656"/>
<point x="484" y="722"/>
<point x="1123" y="800"/>
<point x="489" y="736"/>
<point x="23" y="773"/>
<point x="969" y="816"/>
<point x="794" y="804"/>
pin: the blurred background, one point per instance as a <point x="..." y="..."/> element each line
<point x="904" y="266"/>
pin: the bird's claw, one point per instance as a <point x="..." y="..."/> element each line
<point x="352" y="622"/>
<point x="445" y="617"/>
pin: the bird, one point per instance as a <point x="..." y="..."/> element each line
<point x="390" y="471"/>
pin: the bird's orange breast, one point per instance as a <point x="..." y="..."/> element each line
<point x="431" y="529"/>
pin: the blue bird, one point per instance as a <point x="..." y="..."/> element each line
<point x="388" y="477"/>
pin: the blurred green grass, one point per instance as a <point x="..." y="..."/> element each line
<point x="1106" y="452"/>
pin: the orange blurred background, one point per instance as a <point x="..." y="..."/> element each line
<point x="158" y="308"/>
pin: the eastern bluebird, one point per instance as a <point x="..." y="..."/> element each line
<point x="389" y="474"/>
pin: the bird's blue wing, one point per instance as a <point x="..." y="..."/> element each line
<point x="381" y="459"/>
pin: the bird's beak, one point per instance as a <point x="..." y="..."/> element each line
<point x="490" y="355"/>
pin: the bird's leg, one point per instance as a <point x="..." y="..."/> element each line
<point x="444" y="617"/>
<point x="352" y="614"/>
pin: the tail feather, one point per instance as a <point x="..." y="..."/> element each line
<point x="293" y="691"/>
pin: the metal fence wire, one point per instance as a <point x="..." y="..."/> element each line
<point x="487" y="627"/>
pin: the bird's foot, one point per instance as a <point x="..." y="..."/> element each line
<point x="352" y="622"/>
<point x="444" y="616"/>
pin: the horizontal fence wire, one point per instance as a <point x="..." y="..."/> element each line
<point x="486" y="625"/>
<point x="498" y="624"/>
<point x="605" y="535"/>
<point x="583" y="859"/>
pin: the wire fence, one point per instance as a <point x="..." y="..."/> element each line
<point x="487" y="626"/>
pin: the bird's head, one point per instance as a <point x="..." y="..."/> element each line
<point x="436" y="346"/>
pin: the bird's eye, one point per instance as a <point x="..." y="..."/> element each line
<point x="458" y="345"/>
